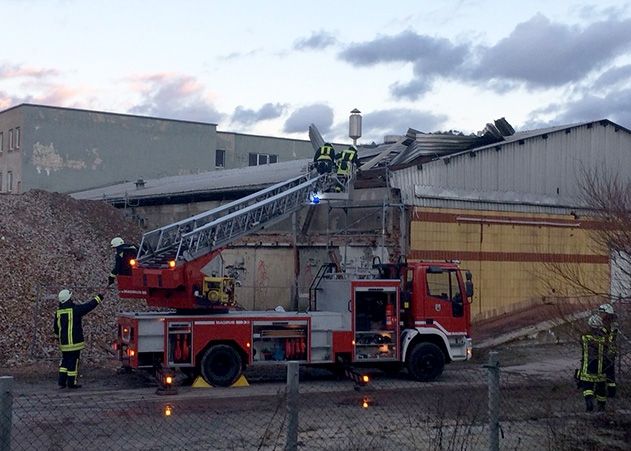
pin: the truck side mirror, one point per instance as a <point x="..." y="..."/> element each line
<point x="468" y="285"/>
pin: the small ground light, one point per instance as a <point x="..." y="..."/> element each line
<point x="168" y="410"/>
<point x="132" y="262"/>
<point x="171" y="263"/>
<point x="365" y="403"/>
<point x="168" y="380"/>
<point x="365" y="379"/>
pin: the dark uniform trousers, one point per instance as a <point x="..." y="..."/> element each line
<point x="69" y="368"/>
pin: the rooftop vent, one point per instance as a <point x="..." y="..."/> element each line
<point x="391" y="139"/>
<point x="140" y="183"/>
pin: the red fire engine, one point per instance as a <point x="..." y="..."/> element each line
<point x="414" y="315"/>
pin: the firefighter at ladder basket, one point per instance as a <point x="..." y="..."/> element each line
<point x="69" y="330"/>
<point x="591" y="374"/>
<point x="610" y="322"/>
<point x="345" y="167"/>
<point x="121" y="250"/>
<point x="324" y="158"/>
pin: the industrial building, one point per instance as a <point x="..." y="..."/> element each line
<point x="67" y="149"/>
<point x="505" y="204"/>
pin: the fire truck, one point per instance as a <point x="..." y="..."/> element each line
<point x="413" y="315"/>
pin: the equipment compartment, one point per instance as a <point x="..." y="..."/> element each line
<point x="280" y="341"/>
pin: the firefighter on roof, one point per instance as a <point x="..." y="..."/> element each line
<point x="69" y="330"/>
<point x="610" y="323"/>
<point x="591" y="374"/>
<point x="324" y="158"/>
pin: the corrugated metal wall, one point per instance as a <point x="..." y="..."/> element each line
<point x="510" y="245"/>
<point x="550" y="167"/>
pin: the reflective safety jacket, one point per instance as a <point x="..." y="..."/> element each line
<point x="593" y="357"/>
<point x="68" y="327"/>
<point x="325" y="152"/>
<point x="346" y="160"/>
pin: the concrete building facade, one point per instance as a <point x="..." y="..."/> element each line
<point x="69" y="150"/>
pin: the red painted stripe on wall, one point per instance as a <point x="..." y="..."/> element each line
<point x="508" y="257"/>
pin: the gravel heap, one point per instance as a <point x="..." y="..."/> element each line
<point x="50" y="241"/>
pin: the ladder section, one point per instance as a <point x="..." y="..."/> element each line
<point x="227" y="229"/>
<point x="174" y="241"/>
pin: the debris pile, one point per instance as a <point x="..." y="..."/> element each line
<point x="50" y="241"/>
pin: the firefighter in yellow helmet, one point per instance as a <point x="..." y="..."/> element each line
<point x="69" y="330"/>
<point x="591" y="374"/>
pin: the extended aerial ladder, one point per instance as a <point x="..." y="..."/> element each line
<point x="167" y="268"/>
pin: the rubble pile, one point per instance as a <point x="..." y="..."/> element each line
<point x="50" y="241"/>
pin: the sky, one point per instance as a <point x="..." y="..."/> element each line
<point x="273" y="67"/>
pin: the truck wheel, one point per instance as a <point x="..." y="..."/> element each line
<point x="426" y="362"/>
<point x="221" y="365"/>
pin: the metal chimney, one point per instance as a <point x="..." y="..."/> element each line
<point x="355" y="126"/>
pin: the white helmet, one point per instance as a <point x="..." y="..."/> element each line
<point x="64" y="296"/>
<point x="117" y="241"/>
<point x="606" y="308"/>
<point x="595" y="321"/>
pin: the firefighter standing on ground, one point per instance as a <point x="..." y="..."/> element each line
<point x="69" y="330"/>
<point x="610" y="323"/>
<point x="591" y="374"/>
<point x="324" y="158"/>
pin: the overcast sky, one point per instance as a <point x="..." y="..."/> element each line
<point x="273" y="67"/>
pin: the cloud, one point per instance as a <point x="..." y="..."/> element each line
<point x="397" y="121"/>
<point x="317" y="41"/>
<point x="268" y="111"/>
<point x="174" y="97"/>
<point x="615" y="106"/>
<point x="319" y="114"/>
<point x="432" y="57"/>
<point x="615" y="76"/>
<point x="544" y="54"/>
<point x="16" y="71"/>
<point x="238" y="55"/>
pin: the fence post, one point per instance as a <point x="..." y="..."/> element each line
<point x="6" y="412"/>
<point x="292" y="406"/>
<point x="494" y="401"/>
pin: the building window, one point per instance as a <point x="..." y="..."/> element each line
<point x="220" y="158"/>
<point x="9" y="181"/>
<point x="257" y="159"/>
<point x="10" y="139"/>
<point x="17" y="137"/>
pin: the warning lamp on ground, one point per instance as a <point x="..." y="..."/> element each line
<point x="166" y="380"/>
<point x="132" y="262"/>
<point x="168" y="410"/>
<point x="131" y="352"/>
<point x="365" y="402"/>
<point x="171" y="263"/>
<point x="359" y="379"/>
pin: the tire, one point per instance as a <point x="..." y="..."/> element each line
<point x="221" y="365"/>
<point x="426" y="362"/>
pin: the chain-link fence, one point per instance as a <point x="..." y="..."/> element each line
<point x="474" y="406"/>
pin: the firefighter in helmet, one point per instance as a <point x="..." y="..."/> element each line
<point x="610" y="324"/>
<point x="69" y="330"/>
<point x="123" y="252"/>
<point x="324" y="158"/>
<point x="591" y="374"/>
<point x="345" y="166"/>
